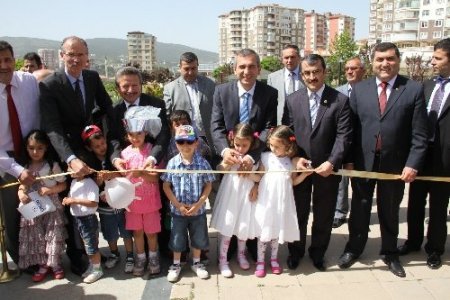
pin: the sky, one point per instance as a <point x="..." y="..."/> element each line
<point x="191" y="23"/>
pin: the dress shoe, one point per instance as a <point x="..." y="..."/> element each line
<point x="338" y="222"/>
<point x="292" y="262"/>
<point x="346" y="260"/>
<point x="434" y="261"/>
<point x="319" y="265"/>
<point x="395" y="266"/>
<point x="406" y="249"/>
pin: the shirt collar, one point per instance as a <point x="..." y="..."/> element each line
<point x="319" y="92"/>
<point x="390" y="82"/>
<point x="135" y="103"/>
<point x="14" y="81"/>
<point x="242" y="91"/>
<point x="296" y="71"/>
<point x="179" y="160"/>
<point x="73" y="79"/>
<point x="192" y="82"/>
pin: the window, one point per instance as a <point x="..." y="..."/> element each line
<point x="425" y="2"/>
<point x="425" y="13"/>
<point x="424" y="24"/>
<point x="423" y="35"/>
<point x="438" y="23"/>
<point x="437" y="34"/>
<point x="439" y="11"/>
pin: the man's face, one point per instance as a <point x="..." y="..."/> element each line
<point x="386" y="65"/>
<point x="290" y="59"/>
<point x="354" y="71"/>
<point x="189" y="71"/>
<point x="440" y="63"/>
<point x="75" y="56"/>
<point x="30" y="65"/>
<point x="7" y="66"/>
<point x="313" y="75"/>
<point x="129" y="87"/>
<point x="247" y="70"/>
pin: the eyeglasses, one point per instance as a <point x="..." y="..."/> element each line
<point x="185" y="142"/>
<point x="73" y="55"/>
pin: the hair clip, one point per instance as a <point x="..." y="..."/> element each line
<point x="256" y="135"/>
<point x="292" y="138"/>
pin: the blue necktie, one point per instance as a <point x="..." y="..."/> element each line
<point x="244" y="111"/>
<point x="313" y="108"/>
<point x="433" y="114"/>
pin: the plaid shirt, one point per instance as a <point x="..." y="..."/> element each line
<point x="188" y="187"/>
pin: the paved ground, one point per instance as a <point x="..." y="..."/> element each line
<point x="367" y="279"/>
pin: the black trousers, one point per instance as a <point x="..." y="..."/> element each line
<point x="389" y="197"/>
<point x="323" y="192"/>
<point x="10" y="216"/>
<point x="439" y="193"/>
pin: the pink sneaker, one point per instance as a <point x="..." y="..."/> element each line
<point x="275" y="266"/>
<point x="243" y="262"/>
<point x="260" y="270"/>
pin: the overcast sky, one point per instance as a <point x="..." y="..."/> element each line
<point x="192" y="23"/>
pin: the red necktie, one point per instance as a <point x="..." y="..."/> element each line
<point x="16" y="131"/>
<point x="382" y="100"/>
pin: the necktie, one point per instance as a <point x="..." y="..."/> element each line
<point x="130" y="106"/>
<point x="79" y="95"/>
<point x="313" y="107"/>
<point x="291" y="83"/>
<point x="16" y="131"/>
<point x="433" y="114"/>
<point x="349" y="92"/>
<point x="244" y="111"/>
<point x="382" y="100"/>
<point x="195" y="106"/>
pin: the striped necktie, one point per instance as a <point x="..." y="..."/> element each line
<point x="244" y="111"/>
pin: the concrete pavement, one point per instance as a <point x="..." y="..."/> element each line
<point x="368" y="279"/>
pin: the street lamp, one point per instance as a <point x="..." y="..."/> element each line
<point x="340" y="70"/>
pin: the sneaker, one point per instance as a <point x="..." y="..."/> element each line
<point x="87" y="272"/>
<point x="129" y="265"/>
<point x="199" y="269"/>
<point x="225" y="270"/>
<point x="139" y="266"/>
<point x="153" y="265"/>
<point x="112" y="261"/>
<point x="95" y="275"/>
<point x="174" y="273"/>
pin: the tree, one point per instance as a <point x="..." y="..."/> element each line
<point x="19" y="64"/>
<point x="271" y="63"/>
<point x="416" y="67"/>
<point x="222" y="72"/>
<point x="341" y="49"/>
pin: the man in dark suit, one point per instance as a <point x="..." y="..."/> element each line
<point x="67" y="101"/>
<point x="437" y="93"/>
<point x="243" y="100"/>
<point x="321" y="119"/>
<point x="390" y="136"/>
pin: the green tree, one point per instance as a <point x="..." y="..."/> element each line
<point x="342" y="48"/>
<point x="222" y="72"/>
<point x="110" y="87"/>
<point x="19" y="64"/>
<point x="271" y="63"/>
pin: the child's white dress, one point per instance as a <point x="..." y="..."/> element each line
<point x="275" y="212"/>
<point x="233" y="213"/>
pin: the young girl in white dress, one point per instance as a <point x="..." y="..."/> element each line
<point x="275" y="212"/>
<point x="233" y="212"/>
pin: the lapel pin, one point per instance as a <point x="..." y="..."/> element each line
<point x="325" y="101"/>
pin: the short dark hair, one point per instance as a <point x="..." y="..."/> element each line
<point x="33" y="56"/>
<point x="127" y="71"/>
<point x="188" y="57"/>
<point x="383" y="47"/>
<point x="178" y="115"/>
<point x="443" y="45"/>
<point x="312" y="59"/>
<point x="292" y="46"/>
<point x="4" y="45"/>
<point x="247" y="52"/>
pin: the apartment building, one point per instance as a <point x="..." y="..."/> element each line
<point x="409" y="23"/>
<point x="263" y="28"/>
<point x="141" y="49"/>
<point x="49" y="58"/>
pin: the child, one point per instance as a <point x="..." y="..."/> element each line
<point x="143" y="216"/>
<point x="233" y="213"/>
<point x="42" y="239"/>
<point x="83" y="201"/>
<point x="112" y="221"/>
<point x="275" y="212"/>
<point x="187" y="193"/>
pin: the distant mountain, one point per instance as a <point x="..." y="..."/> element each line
<point x="111" y="48"/>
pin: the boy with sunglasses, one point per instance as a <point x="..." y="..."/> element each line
<point x="187" y="193"/>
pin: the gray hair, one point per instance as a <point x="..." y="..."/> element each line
<point x="74" y="38"/>
<point x="247" y="52"/>
<point x="127" y="71"/>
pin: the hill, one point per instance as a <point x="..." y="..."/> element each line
<point x="111" y="48"/>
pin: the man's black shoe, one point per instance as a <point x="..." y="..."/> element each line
<point x="406" y="249"/>
<point x="434" y="261"/>
<point x="320" y="265"/>
<point x="338" y="222"/>
<point x="292" y="262"/>
<point x="395" y="266"/>
<point x="346" y="260"/>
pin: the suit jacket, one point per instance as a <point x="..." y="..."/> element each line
<point x="331" y="136"/>
<point x="225" y="113"/>
<point x="403" y="126"/>
<point x="343" y="89"/>
<point x="277" y="80"/>
<point x="176" y="97"/>
<point x="62" y="117"/>
<point x="161" y="142"/>
<point x="441" y="156"/>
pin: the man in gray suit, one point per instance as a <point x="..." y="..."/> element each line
<point x="192" y="93"/>
<point x="288" y="79"/>
<point x="354" y="72"/>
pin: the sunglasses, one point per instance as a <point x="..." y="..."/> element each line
<point x="185" y="142"/>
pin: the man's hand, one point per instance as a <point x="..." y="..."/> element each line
<point x="26" y="177"/>
<point x="231" y="157"/>
<point x="325" y="169"/>
<point x="79" y="168"/>
<point x="246" y="165"/>
<point x="303" y="164"/>
<point x="408" y="174"/>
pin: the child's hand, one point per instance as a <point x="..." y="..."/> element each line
<point x="192" y="211"/>
<point x="24" y="199"/>
<point x="183" y="209"/>
<point x="45" y="191"/>
<point x="102" y="196"/>
<point x="67" y="201"/>
<point x="254" y="193"/>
